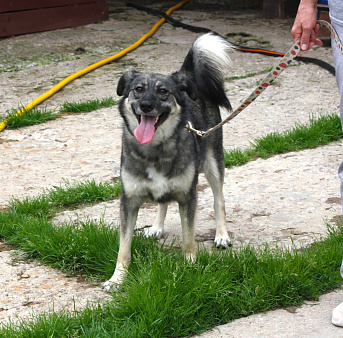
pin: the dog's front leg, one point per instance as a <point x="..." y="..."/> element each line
<point x="187" y="214"/>
<point x="128" y="217"/>
<point x="158" y="227"/>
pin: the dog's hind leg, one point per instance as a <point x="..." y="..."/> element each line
<point x="158" y="227"/>
<point x="187" y="214"/>
<point x="128" y="215"/>
<point x="214" y="172"/>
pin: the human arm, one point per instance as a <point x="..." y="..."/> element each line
<point x="305" y="25"/>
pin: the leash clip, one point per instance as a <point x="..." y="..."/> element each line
<point x="190" y="128"/>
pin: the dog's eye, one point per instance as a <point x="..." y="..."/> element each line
<point x="162" y="91"/>
<point x="139" y="89"/>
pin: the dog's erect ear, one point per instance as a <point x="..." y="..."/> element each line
<point x="125" y="81"/>
<point x="185" y="84"/>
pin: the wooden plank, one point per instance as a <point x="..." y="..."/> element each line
<point x="19" y="5"/>
<point x="39" y="20"/>
<point x="272" y="9"/>
<point x="280" y="9"/>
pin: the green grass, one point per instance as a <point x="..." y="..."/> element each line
<point x="164" y="295"/>
<point x="27" y="224"/>
<point x="35" y="116"/>
<point x="29" y="117"/>
<point x="242" y="38"/>
<point x="68" y="196"/>
<point x="319" y="131"/>
<point x="251" y="74"/>
<point x="87" y="106"/>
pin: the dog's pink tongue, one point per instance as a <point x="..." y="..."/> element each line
<point x="145" y="132"/>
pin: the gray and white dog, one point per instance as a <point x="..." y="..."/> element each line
<point x="161" y="159"/>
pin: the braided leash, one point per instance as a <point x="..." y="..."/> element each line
<point x="275" y="72"/>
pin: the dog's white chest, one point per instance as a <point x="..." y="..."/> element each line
<point x="157" y="184"/>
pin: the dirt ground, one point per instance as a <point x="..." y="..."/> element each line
<point x="286" y="198"/>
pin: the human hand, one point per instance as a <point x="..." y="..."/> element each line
<point x="305" y="25"/>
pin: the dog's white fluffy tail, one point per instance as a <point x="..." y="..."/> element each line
<point x="215" y="50"/>
<point x="206" y="64"/>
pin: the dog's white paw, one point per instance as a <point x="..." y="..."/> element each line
<point x="115" y="281"/>
<point x="190" y="256"/>
<point x="222" y="242"/>
<point x="110" y="286"/>
<point x="153" y="232"/>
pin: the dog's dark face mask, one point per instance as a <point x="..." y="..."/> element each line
<point x="152" y="98"/>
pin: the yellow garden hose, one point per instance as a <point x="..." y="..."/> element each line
<point x="84" y="71"/>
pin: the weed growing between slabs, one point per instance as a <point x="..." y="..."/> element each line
<point x="29" y="117"/>
<point x="69" y="196"/>
<point x="251" y="74"/>
<point x="59" y="246"/>
<point x="318" y="132"/>
<point x="35" y="116"/>
<point x="164" y="295"/>
<point x="87" y="106"/>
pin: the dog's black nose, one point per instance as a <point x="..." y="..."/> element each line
<point x="146" y="106"/>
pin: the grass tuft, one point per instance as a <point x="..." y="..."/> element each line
<point x="73" y="194"/>
<point x="69" y="196"/>
<point x="34" y="116"/>
<point x="318" y="132"/>
<point x="29" y="117"/>
<point x="87" y="106"/>
<point x="237" y="157"/>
